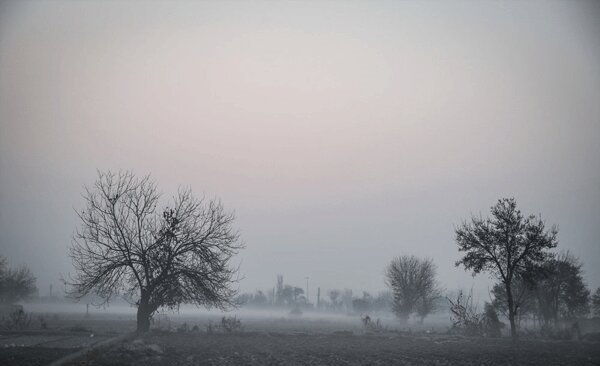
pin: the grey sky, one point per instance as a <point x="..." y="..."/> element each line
<point x="341" y="133"/>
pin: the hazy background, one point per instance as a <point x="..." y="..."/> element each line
<point x="341" y="133"/>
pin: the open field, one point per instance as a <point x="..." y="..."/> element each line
<point x="254" y="348"/>
<point x="275" y="340"/>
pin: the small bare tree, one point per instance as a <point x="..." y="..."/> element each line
<point x="155" y="257"/>
<point x="464" y="315"/>
<point x="16" y="284"/>
<point x="414" y="286"/>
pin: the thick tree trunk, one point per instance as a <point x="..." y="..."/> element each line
<point x="144" y="312"/>
<point x="143" y="318"/>
<point x="511" y="312"/>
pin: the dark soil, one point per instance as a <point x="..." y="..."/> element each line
<point x="32" y="356"/>
<point x="341" y="348"/>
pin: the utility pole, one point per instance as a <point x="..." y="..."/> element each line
<point x="307" y="278"/>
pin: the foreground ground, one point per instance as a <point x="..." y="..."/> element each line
<point x="340" y="349"/>
<point x="280" y="341"/>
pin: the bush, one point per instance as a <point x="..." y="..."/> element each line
<point x="370" y="325"/>
<point x="492" y="326"/>
<point x="227" y="325"/>
<point x="17" y="319"/>
<point x="231" y="324"/>
<point x="464" y="316"/>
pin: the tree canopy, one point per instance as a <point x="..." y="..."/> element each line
<point x="507" y="245"/>
<point x="155" y="256"/>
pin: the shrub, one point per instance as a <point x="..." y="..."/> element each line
<point x="492" y="326"/>
<point x="464" y="316"/>
<point x="231" y="324"/>
<point x="370" y="325"/>
<point x="17" y="319"/>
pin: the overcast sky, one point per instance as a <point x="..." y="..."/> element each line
<point x="341" y="133"/>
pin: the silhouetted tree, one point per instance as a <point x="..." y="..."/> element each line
<point x="596" y="302"/>
<point x="259" y="299"/>
<point x="560" y="289"/>
<point x="507" y="245"/>
<point x="492" y="326"/>
<point x="414" y="286"/>
<point x="279" y="293"/>
<point x="334" y="296"/>
<point x="383" y="301"/>
<point x="346" y="299"/>
<point x="16" y="284"/>
<point x="362" y="305"/>
<point x="289" y="295"/>
<point x="297" y="292"/>
<point x="156" y="257"/>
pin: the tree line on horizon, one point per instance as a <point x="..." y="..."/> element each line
<point x="160" y="256"/>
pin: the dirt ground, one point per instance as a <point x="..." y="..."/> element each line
<point x="341" y="348"/>
<point x="64" y="334"/>
<point x="278" y="340"/>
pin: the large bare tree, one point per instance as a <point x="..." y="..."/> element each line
<point x="507" y="245"/>
<point x="414" y="286"/>
<point x="154" y="256"/>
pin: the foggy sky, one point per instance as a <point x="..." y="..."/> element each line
<point x="341" y="133"/>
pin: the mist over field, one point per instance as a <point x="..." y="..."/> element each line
<point x="337" y="136"/>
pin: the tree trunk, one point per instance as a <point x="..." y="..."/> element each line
<point x="144" y="312"/>
<point x="511" y="312"/>
<point x="143" y="318"/>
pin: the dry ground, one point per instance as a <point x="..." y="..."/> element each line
<point x="279" y="341"/>
<point x="341" y="348"/>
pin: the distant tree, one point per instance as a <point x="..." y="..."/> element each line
<point x="492" y="326"/>
<point x="279" y="292"/>
<point x="560" y="289"/>
<point x="596" y="302"/>
<point x="414" y="286"/>
<point x="155" y="257"/>
<point x="254" y="300"/>
<point x="507" y="245"/>
<point x="426" y="305"/>
<point x="244" y="299"/>
<point x="334" y="297"/>
<point x="297" y="291"/>
<point x="524" y="299"/>
<point x="16" y="284"/>
<point x="289" y="295"/>
<point x="346" y="299"/>
<point x="260" y="299"/>
<point x="383" y="301"/>
<point x="362" y="305"/>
